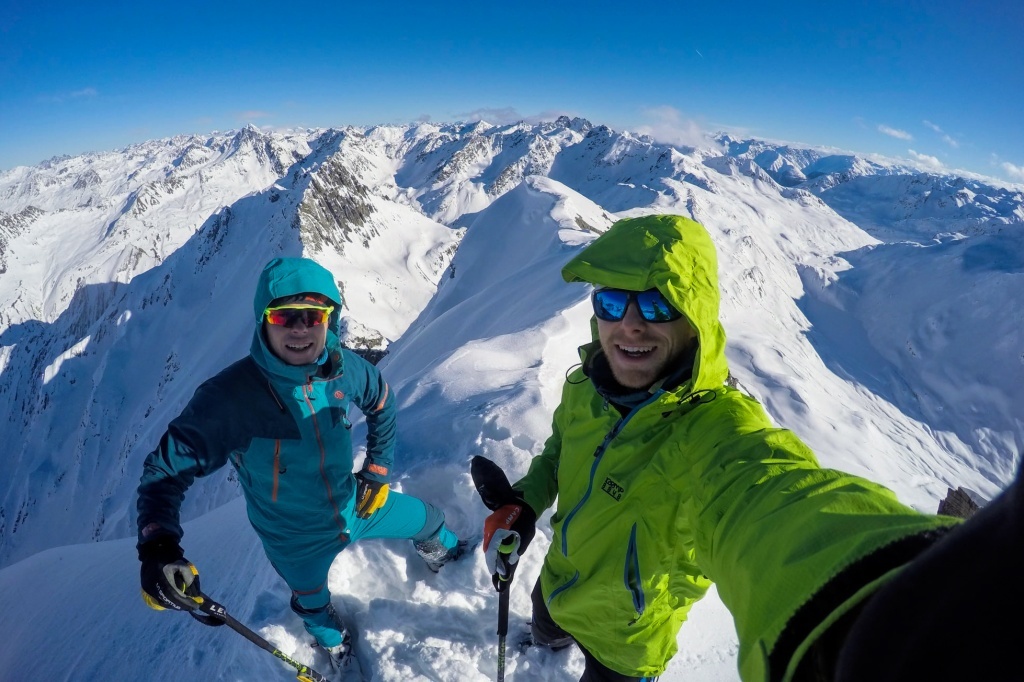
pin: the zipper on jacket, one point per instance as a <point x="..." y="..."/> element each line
<point x="623" y="420"/>
<point x="590" y="480"/>
<point x="273" y="394"/>
<point x="307" y="391"/>
<point x="586" y="496"/>
<point x="609" y="437"/>
<point x="558" y="590"/>
<point x="277" y="469"/>
<point x="631" y="576"/>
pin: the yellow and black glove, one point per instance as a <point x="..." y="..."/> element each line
<point x="169" y="580"/>
<point x="371" y="494"/>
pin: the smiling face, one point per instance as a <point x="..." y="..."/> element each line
<point x="299" y="343"/>
<point x="641" y="352"/>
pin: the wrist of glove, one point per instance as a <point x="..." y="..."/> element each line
<point x="371" y="494"/>
<point x="169" y="580"/>
<point x="508" y="531"/>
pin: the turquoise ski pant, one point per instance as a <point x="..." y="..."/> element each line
<point x="305" y="569"/>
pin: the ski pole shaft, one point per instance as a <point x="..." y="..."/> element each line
<point x="502" y="631"/>
<point x="504" y="587"/>
<point x="212" y="609"/>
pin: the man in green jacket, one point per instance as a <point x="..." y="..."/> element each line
<point x="280" y="417"/>
<point x="665" y="479"/>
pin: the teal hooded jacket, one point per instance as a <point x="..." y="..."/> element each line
<point x="284" y="428"/>
<point x="696" y="485"/>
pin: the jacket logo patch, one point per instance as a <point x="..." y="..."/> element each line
<point x="339" y="395"/>
<point x="613" y="489"/>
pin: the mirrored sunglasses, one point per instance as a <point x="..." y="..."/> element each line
<point x="610" y="305"/>
<point x="290" y="315"/>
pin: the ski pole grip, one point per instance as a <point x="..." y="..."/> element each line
<point x="506" y="569"/>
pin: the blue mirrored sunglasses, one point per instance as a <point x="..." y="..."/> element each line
<point x="610" y="305"/>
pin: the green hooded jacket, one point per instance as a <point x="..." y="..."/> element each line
<point x="696" y="485"/>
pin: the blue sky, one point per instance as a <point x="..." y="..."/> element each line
<point x="940" y="82"/>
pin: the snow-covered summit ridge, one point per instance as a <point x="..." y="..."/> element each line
<point x="870" y="306"/>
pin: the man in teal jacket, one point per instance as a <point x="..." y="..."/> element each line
<point x="665" y="479"/>
<point x="280" y="416"/>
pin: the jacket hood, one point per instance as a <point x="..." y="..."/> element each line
<point x="675" y="255"/>
<point x="290" y="276"/>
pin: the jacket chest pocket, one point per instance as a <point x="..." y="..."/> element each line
<point x="633" y="578"/>
<point x="260" y="467"/>
<point x="338" y="403"/>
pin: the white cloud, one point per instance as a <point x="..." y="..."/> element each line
<point x="945" y="138"/>
<point x="1014" y="171"/>
<point x="61" y="97"/>
<point x="894" y="132"/>
<point x="671" y="127"/>
<point x="928" y="162"/>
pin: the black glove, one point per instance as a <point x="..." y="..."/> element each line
<point x="507" y="534"/>
<point x="169" y="580"/>
<point x="371" y="495"/>
<point x="510" y="529"/>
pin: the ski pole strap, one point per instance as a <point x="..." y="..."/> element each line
<point x="213" y="614"/>
<point x="205" y="619"/>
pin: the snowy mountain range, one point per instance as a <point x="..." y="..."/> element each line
<point x="873" y="308"/>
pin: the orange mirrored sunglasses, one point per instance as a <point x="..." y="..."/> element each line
<point x="290" y="315"/>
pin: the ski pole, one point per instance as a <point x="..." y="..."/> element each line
<point x="212" y="612"/>
<point x="504" y="587"/>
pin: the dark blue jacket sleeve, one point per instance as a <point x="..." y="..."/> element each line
<point x="193" y="446"/>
